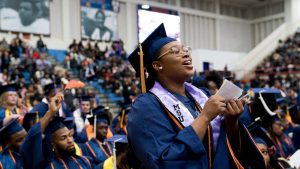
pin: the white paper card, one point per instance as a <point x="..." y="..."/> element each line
<point x="229" y="90"/>
<point x="295" y="159"/>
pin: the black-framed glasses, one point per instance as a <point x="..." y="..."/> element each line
<point x="176" y="50"/>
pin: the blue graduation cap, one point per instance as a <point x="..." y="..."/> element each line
<point x="85" y="98"/>
<point x="54" y="125"/>
<point x="147" y="52"/>
<point x="8" y="88"/>
<point x="118" y="139"/>
<point x="12" y="127"/>
<point x="264" y="102"/>
<point x="30" y="119"/>
<point x="101" y="115"/>
<point x="120" y="143"/>
<point x="294" y="113"/>
<point x="69" y="122"/>
<point x="260" y="135"/>
<point x="150" y="46"/>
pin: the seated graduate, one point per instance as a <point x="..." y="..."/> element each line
<point x="82" y="114"/>
<point x="8" y="103"/>
<point x="98" y="148"/>
<point x="12" y="136"/>
<point x="120" y="122"/>
<point x="70" y="124"/>
<point x="88" y="132"/>
<point x="55" y="148"/>
<point x="284" y="144"/>
<point x="266" y="145"/>
<point x="174" y="124"/>
<point x="120" y="143"/>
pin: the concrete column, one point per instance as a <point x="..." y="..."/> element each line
<point x="66" y="24"/>
<point x="292" y="14"/>
<point x="131" y="25"/>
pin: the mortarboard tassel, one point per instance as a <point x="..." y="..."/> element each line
<point x="143" y="84"/>
<point x="289" y="118"/>
<point x="122" y="119"/>
<point x="37" y="119"/>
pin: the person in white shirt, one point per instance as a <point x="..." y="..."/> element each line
<point x="83" y="113"/>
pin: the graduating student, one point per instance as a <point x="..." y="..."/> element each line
<point x="284" y="144"/>
<point x="174" y="124"/>
<point x="70" y="124"/>
<point x="57" y="137"/>
<point x="265" y="144"/>
<point x="98" y="148"/>
<point x="8" y="103"/>
<point x="119" y="123"/>
<point x="12" y="136"/>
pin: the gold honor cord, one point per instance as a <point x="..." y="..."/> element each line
<point x="142" y="73"/>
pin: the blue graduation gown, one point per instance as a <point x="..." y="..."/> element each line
<point x="36" y="153"/>
<point x="41" y="108"/>
<point x="74" y="162"/>
<point x="32" y="149"/>
<point x="93" y="150"/>
<point x="81" y="137"/>
<point x="245" y="117"/>
<point x="158" y="143"/>
<point x="10" y="159"/>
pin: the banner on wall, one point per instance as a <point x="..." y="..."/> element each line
<point x="150" y="18"/>
<point x="28" y="16"/>
<point x="98" y="20"/>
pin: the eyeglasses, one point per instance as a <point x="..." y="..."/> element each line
<point x="176" y="50"/>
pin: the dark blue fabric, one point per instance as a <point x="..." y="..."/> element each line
<point x="245" y="117"/>
<point x="7" y="161"/>
<point x="100" y="156"/>
<point x="41" y="108"/>
<point x="158" y="143"/>
<point x="32" y="149"/>
<point x="173" y="149"/>
<point x="2" y="116"/>
<point x="296" y="137"/>
<point x="80" y="163"/>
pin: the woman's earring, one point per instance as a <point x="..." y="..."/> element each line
<point x="160" y="68"/>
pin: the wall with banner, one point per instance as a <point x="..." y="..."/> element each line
<point x="98" y="20"/>
<point x="29" y="16"/>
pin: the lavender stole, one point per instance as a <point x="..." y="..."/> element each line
<point x="177" y="108"/>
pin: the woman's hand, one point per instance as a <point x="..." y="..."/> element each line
<point x="214" y="106"/>
<point x="234" y="108"/>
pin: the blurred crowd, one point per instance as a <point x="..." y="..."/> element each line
<point x="109" y="67"/>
